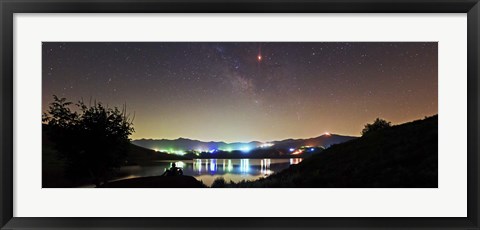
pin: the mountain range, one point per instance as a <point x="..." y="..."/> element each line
<point x="184" y="144"/>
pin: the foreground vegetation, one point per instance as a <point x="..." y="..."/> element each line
<point x="157" y="182"/>
<point x="54" y="168"/>
<point x="392" y="157"/>
<point x="88" y="144"/>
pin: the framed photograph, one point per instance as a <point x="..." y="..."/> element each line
<point x="243" y="114"/>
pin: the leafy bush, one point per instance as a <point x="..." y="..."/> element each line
<point x="378" y="124"/>
<point x="219" y="182"/>
<point x="93" y="140"/>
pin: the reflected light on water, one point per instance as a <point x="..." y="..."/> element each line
<point x="180" y="164"/>
<point x="294" y="161"/>
<point x="213" y="165"/>
<point x="244" y="165"/>
<point x="197" y="165"/>
<point x="230" y="169"/>
<point x="230" y="166"/>
<point x="265" y="167"/>
<point x="241" y="166"/>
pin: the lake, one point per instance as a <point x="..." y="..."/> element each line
<point x="207" y="170"/>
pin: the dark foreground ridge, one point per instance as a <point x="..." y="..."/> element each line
<point x="403" y="156"/>
<point x="156" y="182"/>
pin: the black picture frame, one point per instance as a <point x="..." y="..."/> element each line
<point x="9" y="7"/>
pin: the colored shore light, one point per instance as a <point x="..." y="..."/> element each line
<point x="297" y="152"/>
<point x="245" y="149"/>
<point x="266" y="145"/>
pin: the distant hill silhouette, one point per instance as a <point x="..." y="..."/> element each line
<point x="323" y="140"/>
<point x="144" y="156"/>
<point x="188" y="144"/>
<point x="405" y="155"/>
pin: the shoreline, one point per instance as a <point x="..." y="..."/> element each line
<point x="156" y="182"/>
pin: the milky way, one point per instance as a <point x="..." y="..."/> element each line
<point x="247" y="91"/>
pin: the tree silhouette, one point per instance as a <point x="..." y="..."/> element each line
<point x="377" y="125"/>
<point x="93" y="140"/>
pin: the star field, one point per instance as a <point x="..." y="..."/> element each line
<point x="247" y="91"/>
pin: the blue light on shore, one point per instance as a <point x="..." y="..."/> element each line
<point x="245" y="149"/>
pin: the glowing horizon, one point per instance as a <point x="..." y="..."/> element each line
<point x="247" y="91"/>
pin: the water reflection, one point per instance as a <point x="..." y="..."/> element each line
<point x="243" y="166"/>
<point x="265" y="166"/>
<point x="294" y="161"/>
<point x="207" y="170"/>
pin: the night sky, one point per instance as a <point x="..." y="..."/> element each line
<point x="247" y="91"/>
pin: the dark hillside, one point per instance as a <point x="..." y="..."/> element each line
<point x="401" y="156"/>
